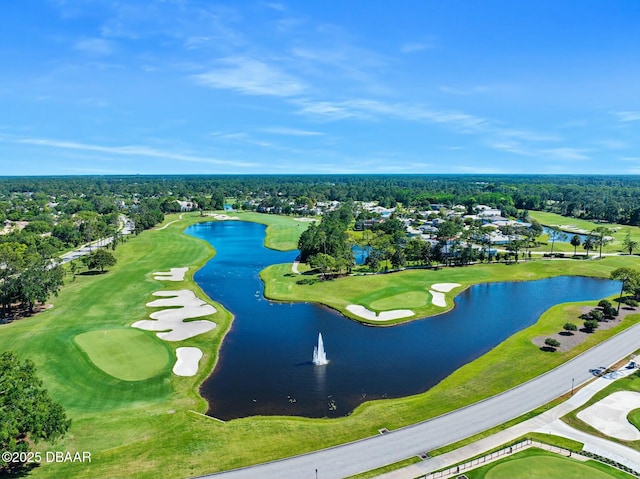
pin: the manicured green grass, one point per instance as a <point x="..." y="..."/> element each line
<point x="128" y="354"/>
<point x="410" y="299"/>
<point x="535" y="463"/>
<point x="146" y="429"/>
<point x="282" y="231"/>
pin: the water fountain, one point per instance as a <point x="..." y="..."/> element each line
<point x="319" y="356"/>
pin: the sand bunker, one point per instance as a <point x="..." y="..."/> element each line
<point x="609" y="415"/>
<point x="444" y="287"/>
<point x="365" y="313"/>
<point x="438" y="299"/>
<point x="223" y="217"/>
<point x="176" y="274"/>
<point x="437" y="291"/>
<point x="187" y="363"/>
<point x="305" y="219"/>
<point x="172" y="320"/>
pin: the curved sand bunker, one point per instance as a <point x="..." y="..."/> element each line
<point x="175" y="274"/>
<point x="609" y="415"/>
<point x="438" y="299"/>
<point x="189" y="306"/>
<point x="187" y="363"/>
<point x="365" y="313"/>
<point x="437" y="291"/>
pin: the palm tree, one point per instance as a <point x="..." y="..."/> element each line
<point x="588" y="244"/>
<point x="601" y="237"/>
<point x="555" y="233"/>
<point x="575" y="242"/>
<point x="628" y="243"/>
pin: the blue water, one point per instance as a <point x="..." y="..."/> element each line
<point x="567" y="238"/>
<point x="265" y="365"/>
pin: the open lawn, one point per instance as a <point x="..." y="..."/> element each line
<point x="128" y="354"/>
<point x="535" y="463"/>
<point x="150" y="428"/>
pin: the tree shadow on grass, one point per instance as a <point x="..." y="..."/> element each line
<point x="91" y="273"/>
<point x="16" y="470"/>
<point x="547" y="349"/>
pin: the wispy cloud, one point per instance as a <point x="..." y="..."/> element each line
<point x="95" y="46"/>
<point x="291" y="131"/>
<point x="625" y="116"/>
<point x="132" y="151"/>
<point x="252" y="77"/>
<point x="375" y="109"/>
<point x="412" y="47"/>
<point x="566" y="154"/>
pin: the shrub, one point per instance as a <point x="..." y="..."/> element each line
<point x="596" y="315"/>
<point x="604" y="304"/>
<point x="631" y="302"/>
<point x="590" y="325"/>
<point x="554" y="343"/>
<point x="570" y="327"/>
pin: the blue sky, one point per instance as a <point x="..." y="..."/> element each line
<point x="200" y="87"/>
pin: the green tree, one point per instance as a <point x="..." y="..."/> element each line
<point x="555" y="233"/>
<point x="323" y="262"/>
<point x="575" y="242"/>
<point x="588" y="244"/>
<point x="28" y="413"/>
<point x="630" y="281"/>
<point x="628" y="243"/>
<point x="570" y="327"/>
<point x="602" y="237"/>
<point x="99" y="259"/>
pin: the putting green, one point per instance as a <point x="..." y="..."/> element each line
<point x="410" y="299"/>
<point x="127" y="354"/>
<point x="546" y="465"/>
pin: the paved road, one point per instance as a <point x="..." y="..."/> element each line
<point x="348" y="459"/>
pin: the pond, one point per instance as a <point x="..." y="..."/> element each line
<point x="265" y="364"/>
<point x="567" y="236"/>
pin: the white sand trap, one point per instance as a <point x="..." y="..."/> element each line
<point x="444" y="287"/>
<point x="294" y="267"/>
<point x="305" y="219"/>
<point x="224" y="217"/>
<point x="365" y="313"/>
<point x="176" y="274"/>
<point x="609" y="415"/>
<point x="172" y="320"/>
<point x="187" y="363"/>
<point x="438" y="299"/>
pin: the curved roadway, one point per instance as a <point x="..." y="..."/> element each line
<point x="370" y="453"/>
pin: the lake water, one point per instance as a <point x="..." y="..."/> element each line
<point x="265" y="365"/>
<point x="567" y="237"/>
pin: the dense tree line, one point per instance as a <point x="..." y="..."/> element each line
<point x="606" y="198"/>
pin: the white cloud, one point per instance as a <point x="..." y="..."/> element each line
<point x="413" y="47"/>
<point x="95" y="46"/>
<point x="291" y="131"/>
<point x="134" y="151"/>
<point x="251" y="77"/>
<point x="567" y="154"/>
<point x="626" y="116"/>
